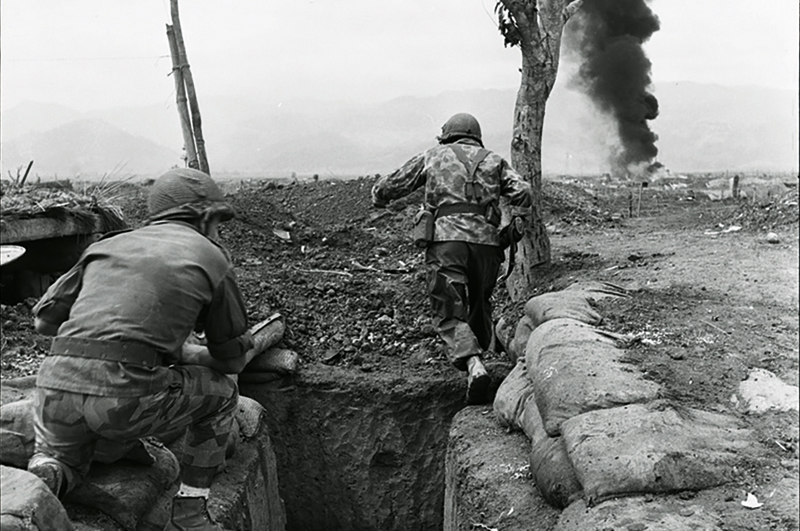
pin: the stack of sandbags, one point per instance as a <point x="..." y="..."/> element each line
<point x="598" y="428"/>
<point x="577" y="368"/>
<point x="575" y="302"/>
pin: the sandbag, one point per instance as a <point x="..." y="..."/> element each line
<point x="530" y="421"/>
<point x="558" y="332"/>
<point x="267" y="333"/>
<point x="516" y="347"/>
<point x="654" y="447"/>
<point x="553" y="472"/>
<point x="561" y="304"/>
<point x="511" y="395"/>
<point x="278" y="360"/>
<point x="638" y="513"/>
<point x="574" y="378"/>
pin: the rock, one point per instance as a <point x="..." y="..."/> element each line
<point x="773" y="238"/>
<point x="763" y="391"/>
<point x="28" y="505"/>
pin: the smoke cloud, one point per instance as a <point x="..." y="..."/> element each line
<point x="607" y="36"/>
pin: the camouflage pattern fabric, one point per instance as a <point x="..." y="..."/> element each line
<point x="68" y="425"/>
<point x="444" y="177"/>
<point x="461" y="278"/>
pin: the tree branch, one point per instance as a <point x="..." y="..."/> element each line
<point x="570" y="9"/>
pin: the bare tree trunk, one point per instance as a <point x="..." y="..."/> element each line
<point x="539" y="26"/>
<point x="180" y="99"/>
<point x="189" y="81"/>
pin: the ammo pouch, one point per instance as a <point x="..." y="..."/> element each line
<point x="422" y="233"/>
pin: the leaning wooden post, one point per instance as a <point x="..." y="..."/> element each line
<point x="189" y="81"/>
<point x="180" y="99"/>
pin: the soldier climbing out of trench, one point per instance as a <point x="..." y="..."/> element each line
<point x="458" y="227"/>
<point x="117" y="368"/>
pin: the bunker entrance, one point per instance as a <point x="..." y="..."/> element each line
<point x="361" y="452"/>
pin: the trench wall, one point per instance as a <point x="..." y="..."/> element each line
<point x="362" y="451"/>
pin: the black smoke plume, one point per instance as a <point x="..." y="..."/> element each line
<point x="614" y="71"/>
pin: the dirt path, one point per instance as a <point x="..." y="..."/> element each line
<point x="742" y="265"/>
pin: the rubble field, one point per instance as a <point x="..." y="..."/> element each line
<point x="712" y="297"/>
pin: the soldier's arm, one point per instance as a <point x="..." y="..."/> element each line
<point x="200" y="355"/>
<point x="514" y="188"/>
<point x="54" y="306"/>
<point x="228" y="337"/>
<point x="399" y="183"/>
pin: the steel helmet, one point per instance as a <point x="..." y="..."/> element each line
<point x="183" y="193"/>
<point x="461" y="125"/>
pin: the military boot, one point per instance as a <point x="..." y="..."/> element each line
<point x="190" y="514"/>
<point x="50" y="471"/>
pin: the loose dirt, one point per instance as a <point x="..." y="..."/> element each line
<point x="711" y="298"/>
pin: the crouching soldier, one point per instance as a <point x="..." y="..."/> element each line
<point x="120" y="317"/>
<point x="458" y="226"/>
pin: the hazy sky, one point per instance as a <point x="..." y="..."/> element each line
<point x="90" y="54"/>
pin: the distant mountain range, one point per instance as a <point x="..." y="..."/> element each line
<point x="700" y="127"/>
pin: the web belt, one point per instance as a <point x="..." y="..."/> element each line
<point x="106" y="350"/>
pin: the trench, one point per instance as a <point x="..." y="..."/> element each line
<point x="360" y="451"/>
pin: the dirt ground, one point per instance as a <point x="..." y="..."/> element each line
<point x="709" y="301"/>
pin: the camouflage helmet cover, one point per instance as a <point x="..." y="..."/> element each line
<point x="186" y="193"/>
<point x="461" y="125"/>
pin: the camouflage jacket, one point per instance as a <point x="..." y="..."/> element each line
<point x="444" y="176"/>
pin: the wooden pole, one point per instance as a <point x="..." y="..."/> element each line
<point x="190" y="91"/>
<point x="25" y="177"/>
<point x="639" y="204"/>
<point x="180" y="99"/>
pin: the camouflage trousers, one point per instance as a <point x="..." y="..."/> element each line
<point x="199" y="400"/>
<point x="461" y="279"/>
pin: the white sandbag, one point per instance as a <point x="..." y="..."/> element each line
<point x="654" y="447"/>
<point x="574" y="378"/>
<point x="553" y="473"/>
<point x="561" y="304"/>
<point x="516" y="347"/>
<point x="559" y="332"/>
<point x="511" y="395"/>
<point x="638" y="513"/>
